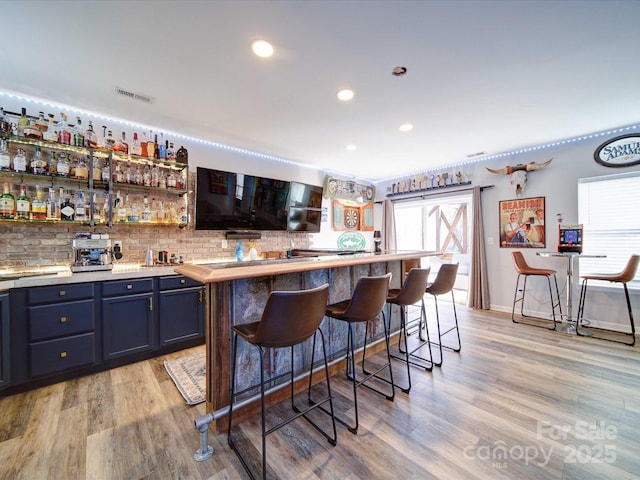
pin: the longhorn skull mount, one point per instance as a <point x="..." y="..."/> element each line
<point x="519" y="174"/>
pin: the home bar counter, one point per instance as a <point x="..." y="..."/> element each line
<point x="237" y="293"/>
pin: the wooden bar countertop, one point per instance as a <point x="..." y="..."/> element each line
<point x="220" y="272"/>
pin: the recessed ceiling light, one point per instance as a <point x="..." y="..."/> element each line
<point x="345" y="95"/>
<point x="262" y="48"/>
<point x="351" y="148"/>
<point x="407" y="127"/>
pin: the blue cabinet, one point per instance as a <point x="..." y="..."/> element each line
<point x="180" y="310"/>
<point x="4" y="340"/>
<point x="127" y="317"/>
<point x="60" y="328"/>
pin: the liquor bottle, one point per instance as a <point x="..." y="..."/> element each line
<point x="106" y="171"/>
<point x="133" y="212"/>
<point x="23" y="122"/>
<point x="39" y="206"/>
<point x="41" y="123"/>
<point x="67" y="210"/>
<point x="146" y="176"/>
<point x="51" y="134"/>
<point x="121" y="209"/>
<point x="122" y="145"/>
<point x="156" y="149"/>
<point x="7" y="203"/>
<point x="143" y="145"/>
<point x="5" y="159"/>
<point x="145" y="215"/>
<point x="5" y="124"/>
<point x="182" y="155"/>
<point x="171" y="153"/>
<point x="171" y="180"/>
<point x="183" y="220"/>
<point x="109" y="141"/>
<point x="163" y="146"/>
<point x="135" y="148"/>
<point x="97" y="167"/>
<point x="160" y="212"/>
<point x="64" y="134"/>
<point x="81" y="170"/>
<point x="20" y="161"/>
<point x="52" y="206"/>
<point x="90" y="137"/>
<point x="154" y="211"/>
<point x="137" y="175"/>
<point x="155" y="176"/>
<point x="53" y="164"/>
<point x="78" y="134"/>
<point x="162" y="180"/>
<point x="151" y="146"/>
<point x="81" y="208"/>
<point x="39" y="165"/>
<point x="23" y="204"/>
<point x="62" y="165"/>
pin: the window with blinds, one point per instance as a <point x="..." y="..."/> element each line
<point x="609" y="209"/>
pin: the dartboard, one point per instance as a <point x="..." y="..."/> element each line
<point x="351" y="218"/>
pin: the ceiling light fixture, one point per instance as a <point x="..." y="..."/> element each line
<point x="406" y="127"/>
<point x="262" y="48"/>
<point x="399" y="71"/>
<point x="351" y="148"/>
<point x="345" y="95"/>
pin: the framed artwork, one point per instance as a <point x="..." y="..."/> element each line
<point x="522" y="223"/>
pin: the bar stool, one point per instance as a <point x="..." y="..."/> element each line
<point x="288" y="319"/>
<point x="524" y="270"/>
<point x="623" y="277"/>
<point x="443" y="284"/>
<point x="366" y="303"/>
<point x="412" y="292"/>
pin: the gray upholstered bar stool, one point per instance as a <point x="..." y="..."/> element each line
<point x="412" y="292"/>
<point x="289" y="318"/>
<point x="443" y="284"/>
<point x="366" y="303"/>
<point x="623" y="277"/>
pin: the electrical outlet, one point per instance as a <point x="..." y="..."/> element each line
<point x="225" y="243"/>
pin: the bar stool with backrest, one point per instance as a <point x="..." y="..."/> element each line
<point x="366" y="303"/>
<point x="624" y="277"/>
<point x="526" y="271"/>
<point x="289" y="319"/>
<point x="443" y="284"/>
<point x="412" y="292"/>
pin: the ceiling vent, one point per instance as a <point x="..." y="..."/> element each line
<point x="133" y="95"/>
<point x="477" y="154"/>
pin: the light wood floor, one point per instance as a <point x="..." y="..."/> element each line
<point x="518" y="402"/>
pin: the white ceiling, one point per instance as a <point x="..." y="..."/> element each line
<point x="483" y="76"/>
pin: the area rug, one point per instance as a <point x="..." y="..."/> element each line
<point x="188" y="373"/>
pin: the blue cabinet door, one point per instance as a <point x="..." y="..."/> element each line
<point x="4" y="340"/>
<point x="127" y="325"/>
<point x="181" y="315"/>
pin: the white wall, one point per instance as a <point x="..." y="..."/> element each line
<point x="558" y="184"/>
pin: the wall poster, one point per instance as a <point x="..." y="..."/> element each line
<point x="522" y="223"/>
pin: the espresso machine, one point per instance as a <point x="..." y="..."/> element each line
<point x="91" y="254"/>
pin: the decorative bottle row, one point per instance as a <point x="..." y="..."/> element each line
<point x="62" y="132"/>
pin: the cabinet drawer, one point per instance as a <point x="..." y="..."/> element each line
<point x="59" y="293"/>
<point x="177" y="281"/>
<point x="68" y="318"/>
<point x="61" y="354"/>
<point x="126" y="287"/>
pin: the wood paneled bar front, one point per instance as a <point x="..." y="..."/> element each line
<point x="238" y="291"/>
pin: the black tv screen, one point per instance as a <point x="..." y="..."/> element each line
<point x="305" y="208"/>
<point x="234" y="201"/>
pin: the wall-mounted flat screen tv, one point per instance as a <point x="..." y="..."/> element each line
<point x="234" y="201"/>
<point x="305" y="208"/>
